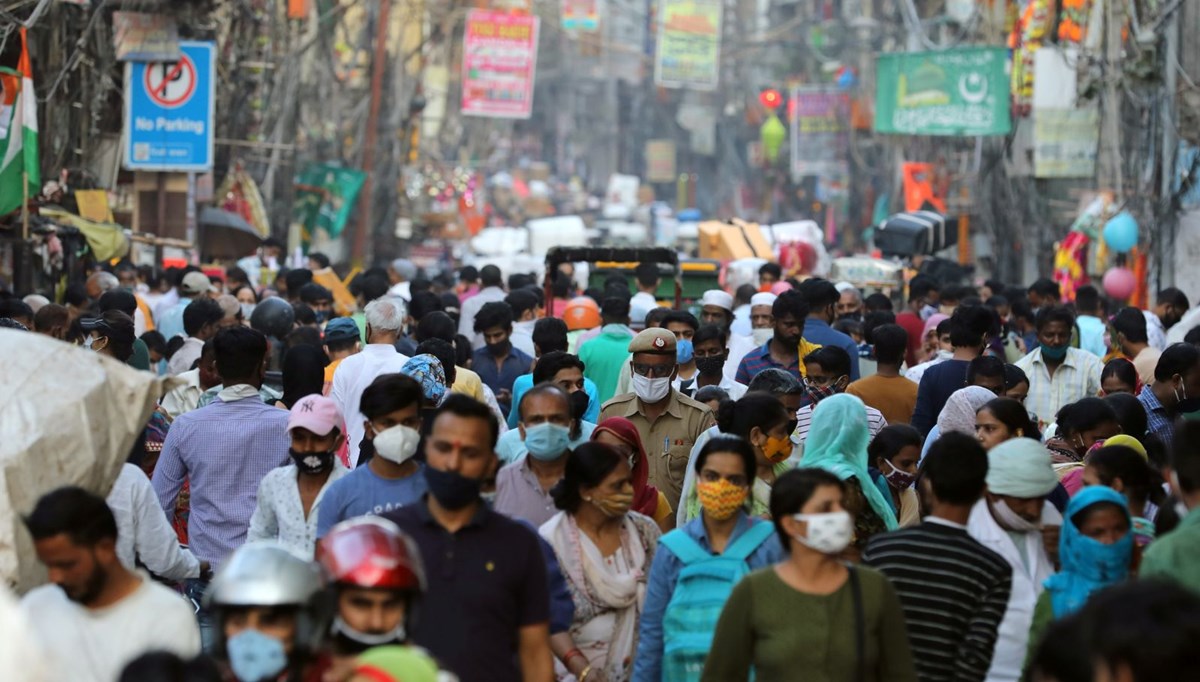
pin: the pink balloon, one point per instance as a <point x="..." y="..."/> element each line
<point x="1119" y="283"/>
<point x="780" y="287"/>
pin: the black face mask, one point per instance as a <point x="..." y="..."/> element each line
<point x="451" y="489"/>
<point x="499" y="349"/>
<point x="579" y="404"/>
<point x="314" y="463"/>
<point x="710" y="366"/>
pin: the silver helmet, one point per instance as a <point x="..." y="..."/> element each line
<point x="263" y="574"/>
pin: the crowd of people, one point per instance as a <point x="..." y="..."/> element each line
<point x="461" y="477"/>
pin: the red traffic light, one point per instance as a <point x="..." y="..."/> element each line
<point x="770" y="98"/>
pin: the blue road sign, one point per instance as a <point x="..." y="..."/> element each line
<point x="169" y="111"/>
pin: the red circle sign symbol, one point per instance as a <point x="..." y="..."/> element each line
<point x="171" y="84"/>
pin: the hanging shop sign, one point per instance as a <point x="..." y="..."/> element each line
<point x="144" y="37"/>
<point x="1064" y="142"/>
<point x="169" y="111"/>
<point x="820" y="132"/>
<point x="689" y="44"/>
<point x="580" y="15"/>
<point x="499" y="64"/>
<point x="958" y="92"/>
<point x="660" y="161"/>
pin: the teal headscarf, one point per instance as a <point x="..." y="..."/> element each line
<point x="1088" y="565"/>
<point x="837" y="442"/>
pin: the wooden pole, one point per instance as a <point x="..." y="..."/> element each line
<point x="378" y="66"/>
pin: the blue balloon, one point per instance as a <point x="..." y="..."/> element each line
<point x="1121" y="232"/>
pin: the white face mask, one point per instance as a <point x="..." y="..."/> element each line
<point x="397" y="444"/>
<point x="87" y="342"/>
<point x="763" y="335"/>
<point x="1010" y="520"/>
<point x="828" y="533"/>
<point x="651" y="390"/>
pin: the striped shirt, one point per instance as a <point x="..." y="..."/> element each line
<point x="875" y="423"/>
<point x="954" y="592"/>
<point x="224" y="450"/>
<point x="1158" y="420"/>
<point x="1076" y="378"/>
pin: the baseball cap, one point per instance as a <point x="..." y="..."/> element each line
<point x="196" y="283"/>
<point x="315" y="413"/>
<point x="341" y="329"/>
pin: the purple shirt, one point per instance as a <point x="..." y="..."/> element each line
<point x="224" y="450"/>
<point x="520" y="495"/>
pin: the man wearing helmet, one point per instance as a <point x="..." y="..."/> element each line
<point x="376" y="579"/>
<point x="269" y="622"/>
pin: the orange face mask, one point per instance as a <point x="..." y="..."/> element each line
<point x="720" y="499"/>
<point x="777" y="449"/>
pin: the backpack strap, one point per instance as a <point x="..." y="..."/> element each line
<point x="684" y="547"/>
<point x="860" y="625"/>
<point x="749" y="541"/>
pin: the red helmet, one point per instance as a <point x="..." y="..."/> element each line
<point x="371" y="552"/>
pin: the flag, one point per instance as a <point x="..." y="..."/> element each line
<point x="21" y="143"/>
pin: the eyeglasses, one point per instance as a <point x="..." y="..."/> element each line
<point x="653" y="371"/>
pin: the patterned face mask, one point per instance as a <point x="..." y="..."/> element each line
<point x="720" y="499"/>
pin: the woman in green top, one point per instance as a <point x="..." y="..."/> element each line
<point x="811" y="617"/>
<point x="761" y="420"/>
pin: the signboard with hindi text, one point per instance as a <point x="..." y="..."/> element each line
<point x="689" y="44"/>
<point x="820" y="132"/>
<point x="958" y="92"/>
<point x="499" y="64"/>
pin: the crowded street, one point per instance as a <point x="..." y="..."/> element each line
<point x="336" y="348"/>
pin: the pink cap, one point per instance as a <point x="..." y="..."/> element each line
<point x="315" y="413"/>
<point x="780" y="287"/>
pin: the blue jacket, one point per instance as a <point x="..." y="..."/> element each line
<point x="664" y="574"/>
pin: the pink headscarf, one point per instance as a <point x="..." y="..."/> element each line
<point x="932" y="323"/>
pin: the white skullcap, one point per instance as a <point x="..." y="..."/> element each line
<point x="718" y="298"/>
<point x="763" y="298"/>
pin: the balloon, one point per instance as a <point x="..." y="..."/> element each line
<point x="1119" y="283"/>
<point x="1121" y="232"/>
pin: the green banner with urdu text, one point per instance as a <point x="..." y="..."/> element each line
<point x="958" y="92"/>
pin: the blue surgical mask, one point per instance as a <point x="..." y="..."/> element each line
<point x="547" y="441"/>
<point x="1054" y="353"/>
<point x="254" y="656"/>
<point x="684" y="350"/>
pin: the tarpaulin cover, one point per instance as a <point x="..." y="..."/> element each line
<point x="68" y="416"/>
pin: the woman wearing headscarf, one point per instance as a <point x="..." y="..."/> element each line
<point x="1121" y="464"/>
<point x="605" y="550"/>
<point x="766" y="424"/>
<point x="958" y="416"/>
<point x="303" y="373"/>
<point x="428" y="372"/>
<point x="837" y="442"/>
<point x="1079" y="426"/>
<point x="620" y="433"/>
<point x="1095" y="550"/>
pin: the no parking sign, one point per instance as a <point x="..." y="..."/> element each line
<point x="169" y="111"/>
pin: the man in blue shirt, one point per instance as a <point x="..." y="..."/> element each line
<point x="970" y="328"/>
<point x="498" y="363"/>
<point x="390" y="478"/>
<point x="566" y="372"/>
<point x="822" y="297"/>
<point x="1091" y="327"/>
<point x="550" y="336"/>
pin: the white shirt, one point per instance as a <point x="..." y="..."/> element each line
<point x="738" y="346"/>
<point x="733" y="388"/>
<point x="915" y="373"/>
<point x="353" y="376"/>
<point x="186" y="356"/>
<point x="21" y="656"/>
<point x="522" y="337"/>
<point x="279" y="515"/>
<point x="1156" y="333"/>
<point x="641" y="304"/>
<point x="185" y="398"/>
<point x="402" y="290"/>
<point x="143" y="532"/>
<point x="466" y="320"/>
<point x="95" y="645"/>
<point x="1027" y="585"/>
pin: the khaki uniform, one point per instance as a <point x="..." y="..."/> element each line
<point x="668" y="440"/>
